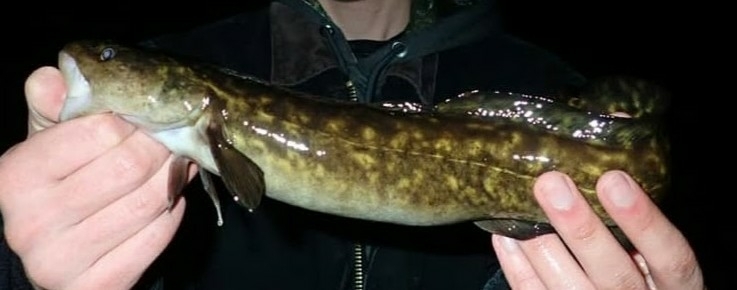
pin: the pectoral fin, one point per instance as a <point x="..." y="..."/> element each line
<point x="242" y="177"/>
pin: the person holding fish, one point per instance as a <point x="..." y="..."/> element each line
<point x="94" y="202"/>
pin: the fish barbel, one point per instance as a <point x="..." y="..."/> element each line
<point x="472" y="158"/>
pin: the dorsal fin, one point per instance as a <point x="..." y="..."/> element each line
<point x="548" y="115"/>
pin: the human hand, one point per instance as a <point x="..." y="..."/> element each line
<point x="664" y="259"/>
<point x="84" y="202"/>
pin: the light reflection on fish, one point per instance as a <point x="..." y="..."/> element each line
<point x="472" y="158"/>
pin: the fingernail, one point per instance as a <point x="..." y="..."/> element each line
<point x="509" y="244"/>
<point x="559" y="194"/>
<point x="620" y="191"/>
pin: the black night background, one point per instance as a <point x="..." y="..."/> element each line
<point x="646" y="39"/>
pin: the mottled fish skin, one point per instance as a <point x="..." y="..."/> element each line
<point x="429" y="166"/>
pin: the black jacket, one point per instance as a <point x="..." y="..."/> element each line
<point x="282" y="247"/>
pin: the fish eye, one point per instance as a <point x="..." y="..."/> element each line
<point x="107" y="54"/>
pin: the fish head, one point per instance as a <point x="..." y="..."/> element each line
<point x="145" y="88"/>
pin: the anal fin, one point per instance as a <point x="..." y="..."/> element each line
<point x="516" y="229"/>
<point x="525" y="230"/>
<point x="622" y="239"/>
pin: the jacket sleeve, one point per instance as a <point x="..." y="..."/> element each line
<point x="12" y="275"/>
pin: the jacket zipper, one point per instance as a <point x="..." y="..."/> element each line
<point x="358" y="273"/>
<point x="352" y="91"/>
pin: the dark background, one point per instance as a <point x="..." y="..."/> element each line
<point x="650" y="39"/>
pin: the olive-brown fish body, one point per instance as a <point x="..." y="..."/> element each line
<point x="392" y="162"/>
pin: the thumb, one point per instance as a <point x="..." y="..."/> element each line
<point x="45" y="92"/>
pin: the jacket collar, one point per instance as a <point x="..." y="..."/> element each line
<point x="297" y="26"/>
<point x="292" y="31"/>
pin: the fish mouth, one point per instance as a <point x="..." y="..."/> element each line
<point x="79" y="94"/>
<point x="80" y="101"/>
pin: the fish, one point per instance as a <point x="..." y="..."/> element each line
<point x="471" y="158"/>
